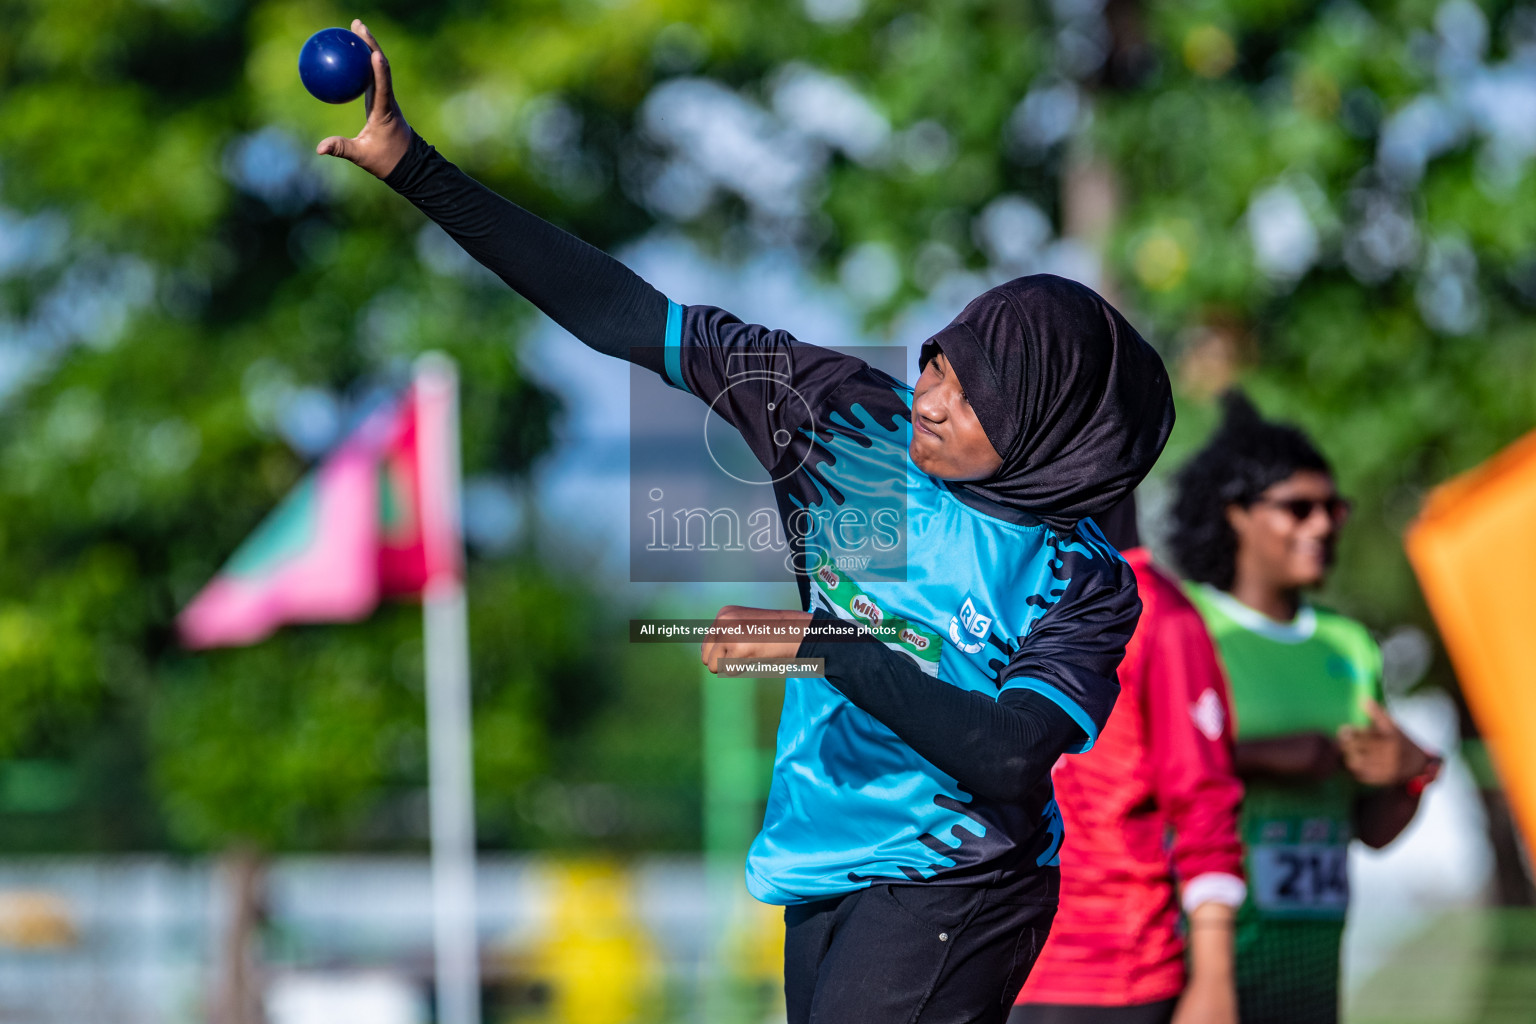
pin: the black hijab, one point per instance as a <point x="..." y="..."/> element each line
<point x="1072" y="398"/>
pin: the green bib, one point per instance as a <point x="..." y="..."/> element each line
<point x="1312" y="674"/>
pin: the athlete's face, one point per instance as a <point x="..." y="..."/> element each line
<point x="947" y="439"/>
<point x="1286" y="537"/>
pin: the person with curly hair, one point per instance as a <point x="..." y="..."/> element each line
<point x="1256" y="516"/>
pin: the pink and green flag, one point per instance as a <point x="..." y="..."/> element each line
<point x="367" y="524"/>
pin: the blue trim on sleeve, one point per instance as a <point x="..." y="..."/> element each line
<point x="1067" y="704"/>
<point x="673" y="362"/>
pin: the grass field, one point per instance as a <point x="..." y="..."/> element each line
<point x="1465" y="967"/>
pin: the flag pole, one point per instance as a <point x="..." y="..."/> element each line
<point x="446" y="629"/>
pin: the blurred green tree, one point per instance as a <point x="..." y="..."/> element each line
<point x="1322" y="202"/>
<point x="192" y="305"/>
<point x="1329" y="203"/>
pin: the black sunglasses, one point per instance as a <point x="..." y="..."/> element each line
<point x="1301" y="509"/>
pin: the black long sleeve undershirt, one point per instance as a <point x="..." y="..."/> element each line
<point x="998" y="749"/>
<point x="598" y="299"/>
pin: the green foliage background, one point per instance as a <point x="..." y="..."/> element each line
<point x="171" y="252"/>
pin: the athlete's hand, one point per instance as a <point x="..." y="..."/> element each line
<point x="1379" y="754"/>
<point x="385" y="136"/>
<point x="730" y="637"/>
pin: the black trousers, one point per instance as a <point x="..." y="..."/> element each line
<point x="1160" y="1012"/>
<point x="904" y="954"/>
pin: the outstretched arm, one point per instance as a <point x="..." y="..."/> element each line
<point x="998" y="749"/>
<point x="589" y="293"/>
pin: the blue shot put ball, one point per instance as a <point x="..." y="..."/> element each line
<point x="335" y="65"/>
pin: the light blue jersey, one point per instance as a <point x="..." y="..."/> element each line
<point x="976" y="595"/>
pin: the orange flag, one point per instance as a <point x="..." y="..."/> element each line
<point x="1474" y="550"/>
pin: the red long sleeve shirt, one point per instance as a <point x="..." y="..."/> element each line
<point x="1162" y="770"/>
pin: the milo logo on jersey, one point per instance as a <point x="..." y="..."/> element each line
<point x="968" y="629"/>
<point x="865" y="609"/>
<point x="850" y="602"/>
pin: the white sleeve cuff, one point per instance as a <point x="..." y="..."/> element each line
<point x="1214" y="887"/>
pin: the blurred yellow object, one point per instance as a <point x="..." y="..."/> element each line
<point x="598" y="961"/>
<point x="35" y="920"/>
<point x="755" y="958"/>
<point x="758" y="942"/>
<point x="1208" y="51"/>
<point x="1474" y="550"/>
<point x="1160" y="261"/>
<point x="1316" y="92"/>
